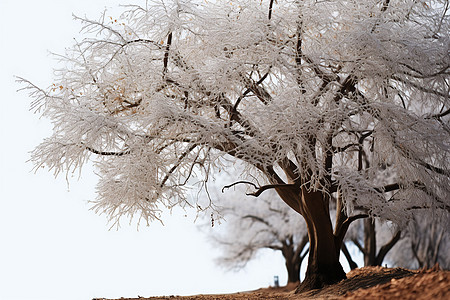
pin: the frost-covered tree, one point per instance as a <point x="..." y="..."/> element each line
<point x="300" y="91"/>
<point x="252" y="225"/>
<point x="426" y="242"/>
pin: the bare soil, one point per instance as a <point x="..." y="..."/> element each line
<point x="368" y="283"/>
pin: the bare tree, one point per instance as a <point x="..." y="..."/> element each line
<point x="300" y="91"/>
<point x="374" y="240"/>
<point x="252" y="225"/>
<point x="425" y="244"/>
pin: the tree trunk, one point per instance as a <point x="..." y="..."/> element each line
<point x="288" y="253"/>
<point x="370" y="243"/>
<point x="371" y="257"/>
<point x="293" y="270"/>
<point x="324" y="267"/>
<point x="292" y="253"/>
<point x="350" y="261"/>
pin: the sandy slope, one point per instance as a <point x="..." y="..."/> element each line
<point x="367" y="283"/>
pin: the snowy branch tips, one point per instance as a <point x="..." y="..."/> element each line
<point x="317" y="97"/>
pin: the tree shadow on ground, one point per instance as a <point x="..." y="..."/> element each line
<point x="359" y="279"/>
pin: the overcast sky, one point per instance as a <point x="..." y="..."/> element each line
<point x="52" y="246"/>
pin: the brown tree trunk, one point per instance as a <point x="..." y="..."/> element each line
<point x="370" y="243"/>
<point x="350" y="261"/>
<point x="293" y="270"/>
<point x="292" y="266"/>
<point x="324" y="267"/>
<point x="371" y="257"/>
<point x="292" y="253"/>
<point x="292" y="263"/>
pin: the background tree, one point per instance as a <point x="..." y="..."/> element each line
<point x="253" y="225"/>
<point x="426" y="243"/>
<point x="296" y="90"/>
<point x="373" y="239"/>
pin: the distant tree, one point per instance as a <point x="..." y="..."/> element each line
<point x="373" y="239"/>
<point x="252" y="225"/>
<point x="426" y="243"/>
<point x="300" y="91"/>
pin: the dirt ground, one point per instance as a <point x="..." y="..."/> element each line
<point x="367" y="283"/>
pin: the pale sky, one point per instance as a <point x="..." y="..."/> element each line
<point x="52" y="246"/>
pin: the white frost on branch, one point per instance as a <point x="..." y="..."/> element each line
<point x="344" y="90"/>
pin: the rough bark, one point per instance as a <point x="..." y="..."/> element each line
<point x="324" y="267"/>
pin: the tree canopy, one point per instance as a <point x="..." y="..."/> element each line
<point x="315" y="97"/>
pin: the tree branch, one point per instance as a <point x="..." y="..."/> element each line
<point x="259" y="190"/>
<point x="276" y="248"/>
<point x="396" y="186"/>
<point x="257" y="219"/>
<point x="248" y="90"/>
<point x="166" y="54"/>
<point x="271" y="186"/>
<point x="440" y="206"/>
<point x="385" y="5"/>
<point x="347" y="255"/>
<point x="174" y="167"/>
<point x="290" y="169"/>
<point x="289" y="196"/>
<point x="299" y="56"/>
<point x="358" y="245"/>
<point x="342" y="149"/>
<point x="106" y="153"/>
<point x="342" y="228"/>
<point x="239" y="182"/>
<point x="439" y="115"/>
<point x="388" y="188"/>
<point x="326" y="78"/>
<point x="420" y="88"/>
<point x="434" y="168"/>
<point x="270" y="9"/>
<point x="385" y="249"/>
<point x="328" y="161"/>
<point x="259" y="91"/>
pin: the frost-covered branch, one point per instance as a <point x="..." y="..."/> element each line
<point x="330" y="97"/>
<point x="106" y="153"/>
